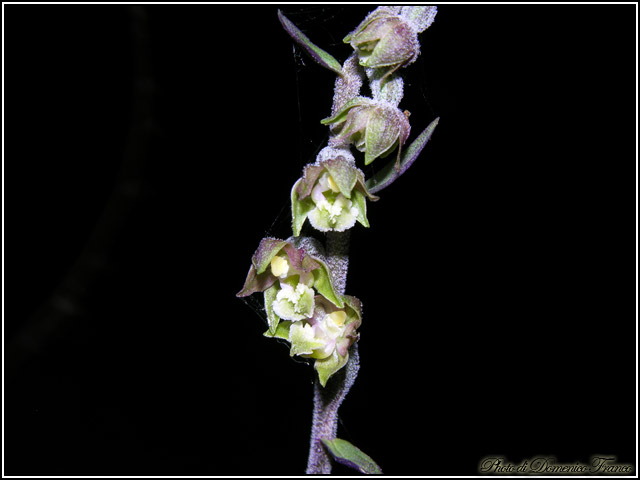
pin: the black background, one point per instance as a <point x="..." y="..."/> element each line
<point x="149" y="149"/>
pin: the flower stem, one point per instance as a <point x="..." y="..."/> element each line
<point x="337" y="249"/>
<point x="327" y="400"/>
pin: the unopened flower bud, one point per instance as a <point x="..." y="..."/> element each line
<point x="374" y="127"/>
<point x="384" y="40"/>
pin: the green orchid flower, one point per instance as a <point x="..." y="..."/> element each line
<point x="332" y="195"/>
<point x="291" y="277"/>
<point x="326" y="336"/>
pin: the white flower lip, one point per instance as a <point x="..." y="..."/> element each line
<point x="338" y="215"/>
<point x="288" y="304"/>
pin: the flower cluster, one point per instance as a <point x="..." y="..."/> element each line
<point x="386" y="40"/>
<point x="302" y="304"/>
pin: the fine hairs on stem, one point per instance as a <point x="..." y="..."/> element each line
<point x="303" y="281"/>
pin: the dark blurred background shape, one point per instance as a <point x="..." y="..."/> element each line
<point x="149" y="148"/>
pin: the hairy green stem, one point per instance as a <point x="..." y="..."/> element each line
<point x="337" y="251"/>
<point x="327" y="400"/>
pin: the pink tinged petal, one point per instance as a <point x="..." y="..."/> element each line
<point x="373" y="17"/>
<point x="342" y="346"/>
<point x="350" y="331"/>
<point x="306" y="278"/>
<point x="327" y="306"/>
<point x="268" y="248"/>
<point x="256" y="283"/>
<point x="341" y="114"/>
<point x="398" y="46"/>
<point x="405" y="128"/>
<point x="328" y="349"/>
<point x="356" y="122"/>
<point x="376" y="30"/>
<point x="319" y="312"/>
<point x="300" y="260"/>
<point x="309" y="178"/>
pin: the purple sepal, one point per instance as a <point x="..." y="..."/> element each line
<point x="256" y="283"/>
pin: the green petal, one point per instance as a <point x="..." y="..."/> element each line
<point x="299" y="209"/>
<point x="320" y="219"/>
<point x="330" y="365"/>
<point x="360" y="202"/>
<point x="354" y="310"/>
<point x="273" y="319"/>
<point x="303" y="308"/>
<point x="343" y="173"/>
<point x="323" y="285"/>
<point x="306" y="304"/>
<point x="268" y="248"/>
<point x="382" y="131"/>
<point x="361" y="185"/>
<point x="379" y="27"/>
<point x="347" y="218"/>
<point x="355" y="126"/>
<point x="256" y="283"/>
<point x="305" y="184"/>
<point x="301" y="341"/>
<point x="341" y="115"/>
<point x="281" y="332"/>
<point x="368" y="19"/>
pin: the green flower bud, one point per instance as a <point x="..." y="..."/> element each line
<point x="331" y="194"/>
<point x="374" y="127"/>
<point x="384" y="40"/>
